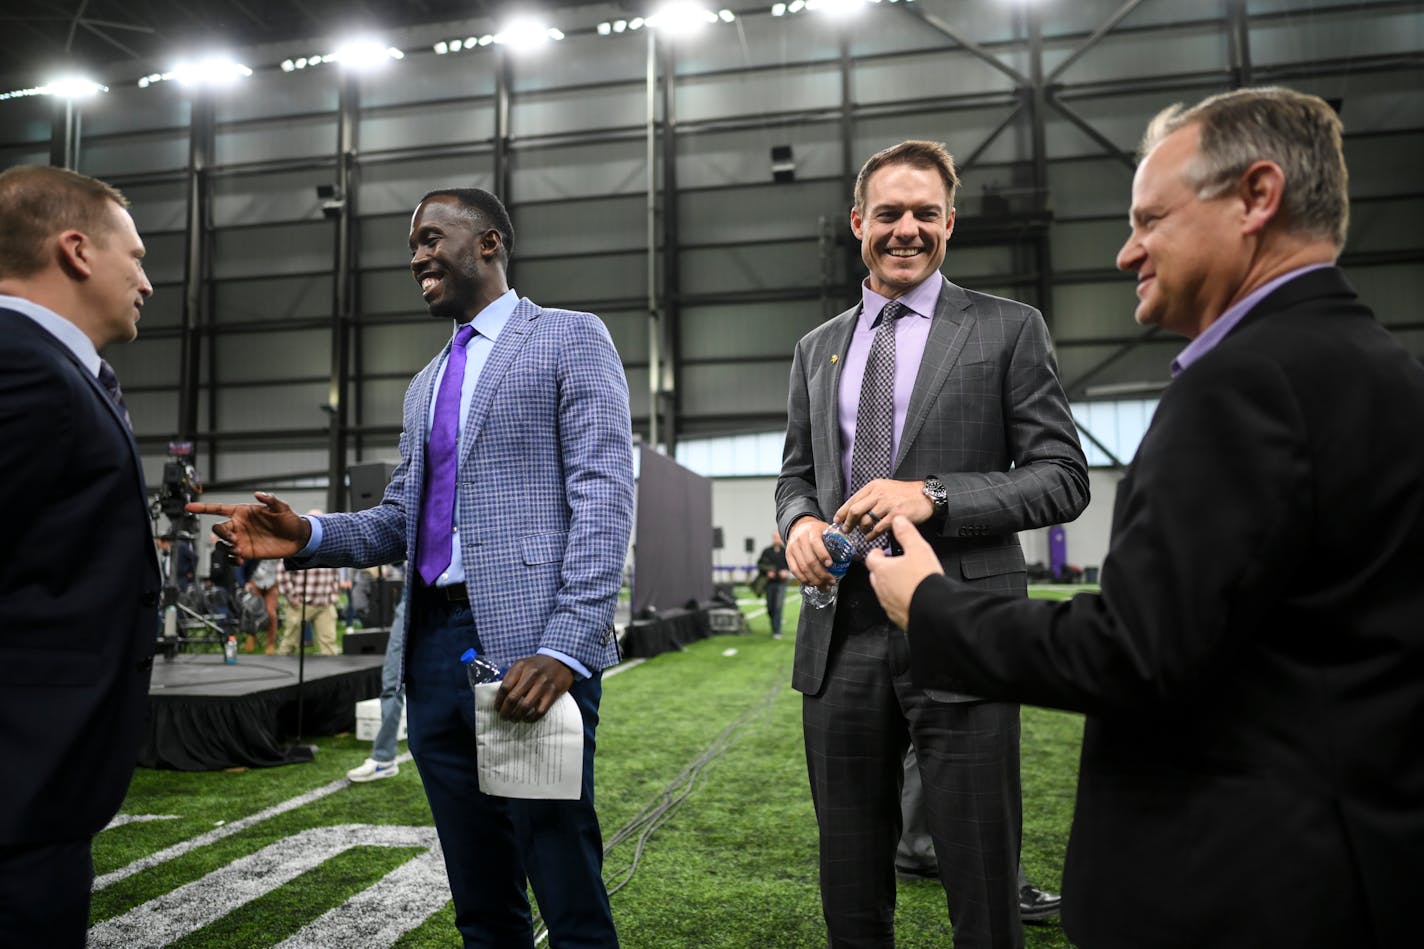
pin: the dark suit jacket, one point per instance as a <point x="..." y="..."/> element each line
<point x="987" y="415"/>
<point x="1253" y="671"/>
<point x="78" y="593"/>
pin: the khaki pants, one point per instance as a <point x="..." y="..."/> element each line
<point x="323" y="620"/>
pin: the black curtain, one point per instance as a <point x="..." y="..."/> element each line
<point x="672" y="560"/>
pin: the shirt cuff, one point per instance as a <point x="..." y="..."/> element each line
<point x="315" y="542"/>
<point x="580" y="670"/>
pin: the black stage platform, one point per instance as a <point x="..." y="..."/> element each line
<point x="204" y="714"/>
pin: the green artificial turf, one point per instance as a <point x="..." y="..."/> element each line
<point x="701" y="790"/>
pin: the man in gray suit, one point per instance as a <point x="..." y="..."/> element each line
<point x="943" y="405"/>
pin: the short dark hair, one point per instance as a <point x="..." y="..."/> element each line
<point x="485" y="209"/>
<point x="38" y="201"/>
<point x="932" y="155"/>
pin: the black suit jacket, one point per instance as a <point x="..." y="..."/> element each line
<point x="1253" y="671"/>
<point x="79" y="591"/>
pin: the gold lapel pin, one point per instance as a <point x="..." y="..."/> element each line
<point x="834" y="357"/>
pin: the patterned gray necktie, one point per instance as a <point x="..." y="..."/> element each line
<point x="870" y="457"/>
<point x="110" y="382"/>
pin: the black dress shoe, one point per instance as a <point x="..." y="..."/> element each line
<point x="1037" y="905"/>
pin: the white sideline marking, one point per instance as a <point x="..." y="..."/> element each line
<point x="190" y="907"/>
<point x="227" y="830"/>
<point x="122" y="819"/>
<point x="623" y="667"/>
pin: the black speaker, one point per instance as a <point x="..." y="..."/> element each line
<point x="751" y="545"/>
<point x="717" y="538"/>
<point x="368" y="483"/>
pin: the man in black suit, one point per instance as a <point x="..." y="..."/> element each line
<point x="1253" y="670"/>
<point x="968" y="433"/>
<point x="79" y="588"/>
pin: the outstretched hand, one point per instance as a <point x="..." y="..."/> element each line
<point x="266" y="530"/>
<point x="895" y="579"/>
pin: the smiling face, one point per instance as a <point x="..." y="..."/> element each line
<point x="903" y="228"/>
<point x="455" y="263"/>
<point x="1189" y="253"/>
<point x="117" y="286"/>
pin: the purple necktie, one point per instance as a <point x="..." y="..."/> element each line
<point x="437" y="507"/>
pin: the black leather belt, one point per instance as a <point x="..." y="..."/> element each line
<point x="454" y="593"/>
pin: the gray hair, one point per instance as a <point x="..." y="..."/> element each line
<point x="1300" y="133"/>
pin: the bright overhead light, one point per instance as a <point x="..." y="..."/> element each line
<point x="524" y="34"/>
<point x="726" y="16"/>
<point x="836" y="7"/>
<point x="363" y="53"/>
<point x="681" y="16"/>
<point x="218" y="70"/>
<point x="441" y="48"/>
<point x="70" y="87"/>
<point x="74" y="87"/>
<point x="778" y="9"/>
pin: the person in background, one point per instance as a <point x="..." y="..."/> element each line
<point x="771" y="569"/>
<point x="260" y="577"/>
<point x="1253" y="721"/>
<point x="382" y="763"/>
<point x="80" y="583"/>
<point x="311" y="596"/>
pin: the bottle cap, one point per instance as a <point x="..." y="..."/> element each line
<point x="468" y="656"/>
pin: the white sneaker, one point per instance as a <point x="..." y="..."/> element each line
<point x="372" y="769"/>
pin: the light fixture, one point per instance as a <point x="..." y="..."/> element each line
<point x="215" y="70"/>
<point x="75" y="87"/>
<point x="362" y="53"/>
<point x="69" y="87"/>
<point x="681" y="17"/>
<point x="525" y="34"/>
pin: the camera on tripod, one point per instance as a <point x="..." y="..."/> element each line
<point x="181" y="486"/>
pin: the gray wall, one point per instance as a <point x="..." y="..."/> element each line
<point x="745" y="265"/>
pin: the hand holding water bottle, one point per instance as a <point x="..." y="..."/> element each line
<point x="841" y="550"/>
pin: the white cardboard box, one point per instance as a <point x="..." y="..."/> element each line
<point x="368" y="720"/>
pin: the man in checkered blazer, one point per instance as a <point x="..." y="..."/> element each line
<point x="540" y="501"/>
<point x="978" y="444"/>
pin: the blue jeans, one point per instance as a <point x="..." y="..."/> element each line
<point x="392" y="693"/>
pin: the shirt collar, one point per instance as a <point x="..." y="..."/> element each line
<point x="57" y="326"/>
<point x="921" y="300"/>
<point x="1234" y="314"/>
<point x="490" y="321"/>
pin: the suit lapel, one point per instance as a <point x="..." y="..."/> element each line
<point x="949" y="331"/>
<point x="511" y="340"/>
<point x="839" y="340"/>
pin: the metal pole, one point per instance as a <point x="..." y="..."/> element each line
<point x="341" y="304"/>
<point x="654" y="326"/>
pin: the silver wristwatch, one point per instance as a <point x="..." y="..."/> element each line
<point x="938" y="494"/>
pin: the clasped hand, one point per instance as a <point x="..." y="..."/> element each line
<point x="531" y="687"/>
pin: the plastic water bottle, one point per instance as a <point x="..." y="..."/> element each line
<point x="840" y="548"/>
<point x="230" y="651"/>
<point x="478" y="669"/>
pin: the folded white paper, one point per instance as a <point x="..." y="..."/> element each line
<point x="540" y="760"/>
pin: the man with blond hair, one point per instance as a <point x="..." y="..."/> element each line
<point x="79" y="593"/>
<point x="1250" y="773"/>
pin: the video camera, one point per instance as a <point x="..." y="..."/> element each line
<point x="181" y="482"/>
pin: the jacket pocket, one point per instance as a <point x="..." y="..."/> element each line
<point x="543" y="548"/>
<point x="977" y="564"/>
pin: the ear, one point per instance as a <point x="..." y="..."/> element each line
<point x="857" y="224"/>
<point x="490" y="242"/>
<point x="1261" y="190"/>
<point x="74" y="251"/>
<point x="949" y="223"/>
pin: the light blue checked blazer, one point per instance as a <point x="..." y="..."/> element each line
<point x="544" y="500"/>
